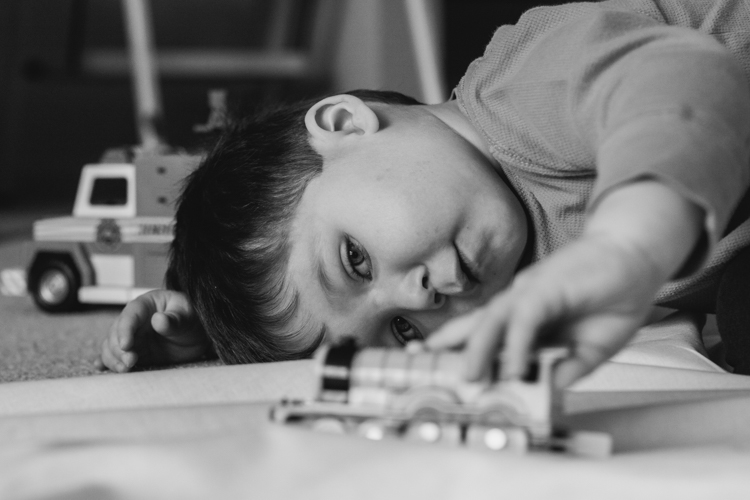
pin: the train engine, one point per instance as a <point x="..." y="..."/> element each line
<point x="421" y="395"/>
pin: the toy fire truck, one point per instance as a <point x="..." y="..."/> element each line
<point x="421" y="395"/>
<point x="114" y="246"/>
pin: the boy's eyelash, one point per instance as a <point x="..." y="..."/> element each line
<point x="350" y="267"/>
<point x="400" y="335"/>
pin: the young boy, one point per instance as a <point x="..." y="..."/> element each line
<point x="595" y="153"/>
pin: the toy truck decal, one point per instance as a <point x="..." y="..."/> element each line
<point x="421" y="395"/>
<point x="115" y="245"/>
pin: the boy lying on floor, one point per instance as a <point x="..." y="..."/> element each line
<point x="589" y="166"/>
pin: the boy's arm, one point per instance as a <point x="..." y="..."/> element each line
<point x="157" y="328"/>
<point x="664" y="110"/>
<point x="592" y="294"/>
<point x="598" y="85"/>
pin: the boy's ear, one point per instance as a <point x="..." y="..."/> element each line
<point x="339" y="116"/>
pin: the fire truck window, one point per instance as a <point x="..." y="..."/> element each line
<point x="110" y="191"/>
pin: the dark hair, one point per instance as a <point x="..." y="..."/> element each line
<point x="231" y="246"/>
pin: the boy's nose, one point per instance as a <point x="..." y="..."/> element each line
<point x="445" y="274"/>
<point x="417" y="292"/>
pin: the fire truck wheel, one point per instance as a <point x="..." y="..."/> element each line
<point x="54" y="286"/>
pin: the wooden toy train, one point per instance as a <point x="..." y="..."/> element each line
<point x="421" y="395"/>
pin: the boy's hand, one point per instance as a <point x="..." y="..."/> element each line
<point x="159" y="327"/>
<point x="592" y="294"/>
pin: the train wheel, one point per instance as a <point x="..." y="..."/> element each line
<point x="430" y="431"/>
<point x="376" y="430"/>
<point x="430" y="403"/>
<point x="504" y="415"/>
<point x="426" y="431"/>
<point x="329" y="424"/>
<point x="497" y="438"/>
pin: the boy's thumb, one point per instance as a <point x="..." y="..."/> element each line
<point x="165" y="323"/>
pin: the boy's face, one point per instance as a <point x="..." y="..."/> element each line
<point x="404" y="229"/>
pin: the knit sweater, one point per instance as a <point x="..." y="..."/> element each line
<point x="578" y="99"/>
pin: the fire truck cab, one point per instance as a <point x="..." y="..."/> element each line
<point x="115" y="245"/>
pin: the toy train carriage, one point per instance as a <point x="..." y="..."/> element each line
<point x="421" y="395"/>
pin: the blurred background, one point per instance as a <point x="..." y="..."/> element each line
<point x="65" y="87"/>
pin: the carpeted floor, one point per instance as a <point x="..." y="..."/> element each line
<point x="34" y="344"/>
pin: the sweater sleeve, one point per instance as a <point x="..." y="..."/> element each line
<point x="578" y="99"/>
<point x="665" y="103"/>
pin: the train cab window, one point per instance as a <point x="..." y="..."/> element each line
<point x="110" y="191"/>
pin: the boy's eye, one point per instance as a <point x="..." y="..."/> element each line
<point x="356" y="260"/>
<point x="404" y="331"/>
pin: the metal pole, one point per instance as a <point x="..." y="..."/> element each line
<point x="425" y="39"/>
<point x="144" y="72"/>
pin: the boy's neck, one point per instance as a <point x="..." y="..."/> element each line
<point x="450" y="114"/>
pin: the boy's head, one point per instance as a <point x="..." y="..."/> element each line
<point x="361" y="214"/>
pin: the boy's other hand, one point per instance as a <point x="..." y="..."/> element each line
<point x="159" y="327"/>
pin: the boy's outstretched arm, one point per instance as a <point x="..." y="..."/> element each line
<point x="592" y="294"/>
<point x="159" y="327"/>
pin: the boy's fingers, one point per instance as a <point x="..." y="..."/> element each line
<point x="163" y="323"/>
<point x="178" y="307"/>
<point x="133" y="318"/>
<point x="108" y="358"/>
<point x="595" y="341"/>
<point x="455" y="332"/>
<point x="155" y="327"/>
<point x="177" y="328"/>
<point x="109" y="341"/>
<point x="484" y="343"/>
<point x="128" y="360"/>
<point x="126" y="327"/>
<point x="116" y="348"/>
<point x="524" y="324"/>
<point x="518" y="340"/>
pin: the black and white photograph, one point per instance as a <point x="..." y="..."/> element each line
<point x="374" y="249"/>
